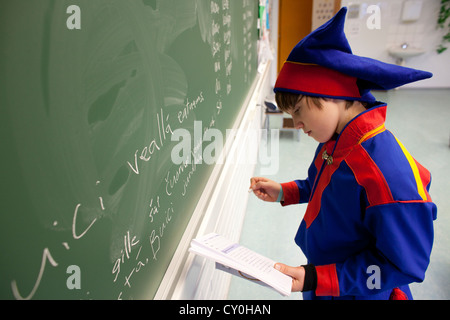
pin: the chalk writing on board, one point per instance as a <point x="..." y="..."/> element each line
<point x="248" y="19"/>
<point x="164" y="132"/>
<point x="132" y="252"/>
<point x="189" y="107"/>
<point x="74" y="233"/>
<point x="45" y="256"/>
<point x="156" y="236"/>
<point x="112" y="123"/>
<point x="154" y="208"/>
<point x="129" y="244"/>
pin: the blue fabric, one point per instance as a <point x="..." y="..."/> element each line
<point x="280" y="195"/>
<point x="384" y="295"/>
<point x="396" y="236"/>
<point x="328" y="46"/>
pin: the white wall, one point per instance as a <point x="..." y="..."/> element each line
<point x="274" y="13"/>
<point x="421" y="33"/>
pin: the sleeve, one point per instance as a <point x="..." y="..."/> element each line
<point x="295" y="192"/>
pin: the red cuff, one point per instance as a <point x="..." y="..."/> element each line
<point x="291" y="193"/>
<point x="327" y="281"/>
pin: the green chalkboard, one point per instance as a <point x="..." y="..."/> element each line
<point x="91" y="93"/>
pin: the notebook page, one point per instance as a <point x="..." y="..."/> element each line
<point x="243" y="259"/>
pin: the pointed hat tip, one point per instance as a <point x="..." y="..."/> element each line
<point x="328" y="47"/>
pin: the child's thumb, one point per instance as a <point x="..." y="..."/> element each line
<point x="259" y="186"/>
<point x="284" y="269"/>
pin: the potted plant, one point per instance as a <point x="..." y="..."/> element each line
<point x="444" y="13"/>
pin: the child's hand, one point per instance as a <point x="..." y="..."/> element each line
<point x="296" y="273"/>
<point x="265" y="189"/>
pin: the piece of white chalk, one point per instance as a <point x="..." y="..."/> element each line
<point x="250" y="190"/>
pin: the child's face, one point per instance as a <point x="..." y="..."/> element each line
<point x="318" y="123"/>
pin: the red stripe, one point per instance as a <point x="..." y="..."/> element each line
<point x="316" y="80"/>
<point x="425" y="176"/>
<point x="319" y="161"/>
<point x="327" y="281"/>
<point x="369" y="176"/>
<point x="314" y="204"/>
<point x="291" y="193"/>
<point x="398" y="294"/>
<point x="360" y="126"/>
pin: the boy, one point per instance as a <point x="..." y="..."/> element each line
<point x="368" y="227"/>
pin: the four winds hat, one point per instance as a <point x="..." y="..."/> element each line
<point x="323" y="65"/>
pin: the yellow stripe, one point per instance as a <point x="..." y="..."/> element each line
<point x="372" y="133"/>
<point x="412" y="163"/>
<point x="301" y="63"/>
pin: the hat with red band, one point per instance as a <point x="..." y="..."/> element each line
<point x="323" y="65"/>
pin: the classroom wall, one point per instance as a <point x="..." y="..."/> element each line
<point x="374" y="43"/>
<point x="421" y="33"/>
<point x="273" y="36"/>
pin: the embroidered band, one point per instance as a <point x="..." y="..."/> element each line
<point x="316" y="80"/>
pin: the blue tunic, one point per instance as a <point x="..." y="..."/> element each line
<point x="368" y="226"/>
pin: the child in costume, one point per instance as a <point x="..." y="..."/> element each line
<point x="368" y="228"/>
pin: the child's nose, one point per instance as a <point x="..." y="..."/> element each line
<point x="298" y="124"/>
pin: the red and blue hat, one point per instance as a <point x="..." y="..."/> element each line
<point x="323" y="65"/>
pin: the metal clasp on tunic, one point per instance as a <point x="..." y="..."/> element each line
<point x="327" y="157"/>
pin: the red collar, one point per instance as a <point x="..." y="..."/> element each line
<point x="364" y="126"/>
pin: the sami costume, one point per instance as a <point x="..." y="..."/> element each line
<point x="368" y="228"/>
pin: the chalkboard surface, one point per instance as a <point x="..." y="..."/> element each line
<point x="92" y="93"/>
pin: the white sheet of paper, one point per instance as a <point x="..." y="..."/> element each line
<point x="235" y="256"/>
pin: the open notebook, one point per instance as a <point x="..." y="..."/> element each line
<point x="242" y="261"/>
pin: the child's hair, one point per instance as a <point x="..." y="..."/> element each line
<point x="287" y="100"/>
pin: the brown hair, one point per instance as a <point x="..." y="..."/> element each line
<point x="287" y="100"/>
